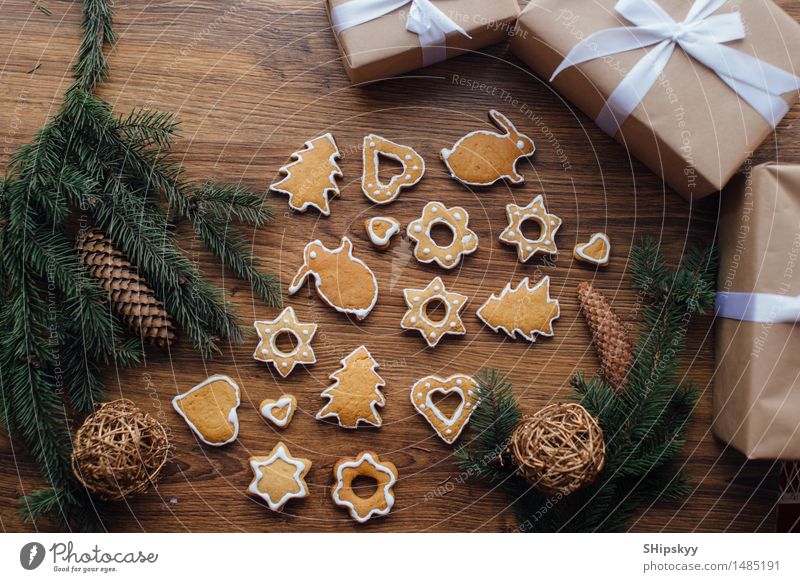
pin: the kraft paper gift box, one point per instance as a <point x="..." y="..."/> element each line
<point x="689" y="127"/>
<point x="384" y="47"/>
<point x="757" y="378"/>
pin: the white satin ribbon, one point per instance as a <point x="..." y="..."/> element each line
<point x="758" y="307"/>
<point x="701" y="36"/>
<point x="424" y="19"/>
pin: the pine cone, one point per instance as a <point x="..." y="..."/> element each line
<point x="130" y="296"/>
<point x="608" y="334"/>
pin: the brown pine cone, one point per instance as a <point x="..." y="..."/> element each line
<point x="129" y="293"/>
<point x="608" y="334"/>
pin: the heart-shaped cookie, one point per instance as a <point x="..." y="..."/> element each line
<point x="279" y="412"/>
<point x="448" y="428"/>
<point x="380" y="230"/>
<point x="596" y="251"/>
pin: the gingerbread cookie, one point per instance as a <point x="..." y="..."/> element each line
<point x="366" y="464"/>
<point x="279" y="412"/>
<point x="356" y="392"/>
<point x="448" y="428"/>
<point x="418" y="318"/>
<point x="380" y="231"/>
<point x="596" y="251"/>
<point x="311" y="178"/>
<point x="481" y="158"/>
<point x="344" y="282"/>
<point x="285" y="324"/>
<point x="210" y="410"/>
<point x="413" y="169"/>
<point x="523" y="309"/>
<point x="464" y="241"/>
<point x="548" y="226"/>
<point x="279" y="477"/>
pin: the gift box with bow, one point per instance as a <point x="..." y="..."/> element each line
<point x="691" y="88"/>
<point x="757" y="378"/>
<point x="384" y="38"/>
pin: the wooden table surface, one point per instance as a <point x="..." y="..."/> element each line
<point x="250" y="82"/>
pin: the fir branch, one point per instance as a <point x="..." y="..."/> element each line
<point x="91" y="66"/>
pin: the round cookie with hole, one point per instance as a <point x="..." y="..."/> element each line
<point x="366" y="466"/>
<point x="534" y="213"/>
<point x="285" y="342"/>
<point x="424" y="395"/>
<point x="458" y="239"/>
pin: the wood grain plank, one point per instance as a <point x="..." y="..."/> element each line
<point x="250" y="82"/>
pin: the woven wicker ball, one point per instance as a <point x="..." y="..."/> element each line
<point x="119" y="451"/>
<point x="559" y="449"/>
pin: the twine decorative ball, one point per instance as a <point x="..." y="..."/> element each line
<point x="559" y="449"/>
<point x="119" y="451"/>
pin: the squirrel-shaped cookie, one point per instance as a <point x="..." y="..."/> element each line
<point x="481" y="158"/>
<point x="343" y="281"/>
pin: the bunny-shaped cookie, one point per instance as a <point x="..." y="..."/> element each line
<point x="481" y="158"/>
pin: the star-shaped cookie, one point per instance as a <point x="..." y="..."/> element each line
<point x="417" y="316"/>
<point x="279" y="477"/>
<point x="286" y="323"/>
<point x="548" y="226"/>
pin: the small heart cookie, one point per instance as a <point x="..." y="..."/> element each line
<point x="596" y="251"/>
<point x="380" y="230"/>
<point x="448" y="428"/>
<point x="279" y="412"/>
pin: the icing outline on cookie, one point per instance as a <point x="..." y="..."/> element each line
<point x="416" y="317"/>
<point x="579" y="252"/>
<point x="548" y="224"/>
<point x="413" y="169"/>
<point x="465" y="241"/>
<point x="297" y="159"/>
<point x="381" y="242"/>
<point x="448" y="429"/>
<point x="387" y="493"/>
<point x="280" y="452"/>
<point x="524" y="286"/>
<point x="267" y="350"/>
<point x="518" y="145"/>
<point x="286" y="401"/>
<point x="233" y="416"/>
<point x="378" y="399"/>
<point x="310" y="253"/>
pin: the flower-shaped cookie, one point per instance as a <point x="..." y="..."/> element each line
<point x="417" y="316"/>
<point x="286" y="323"/>
<point x="548" y="225"/>
<point x="464" y="241"/>
<point x="369" y="465"/>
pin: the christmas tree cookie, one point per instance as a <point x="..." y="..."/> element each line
<point x="523" y="309"/>
<point x="355" y="396"/>
<point x="311" y="178"/>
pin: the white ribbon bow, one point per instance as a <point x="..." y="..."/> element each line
<point x="424" y="19"/>
<point x="700" y="35"/>
<point x="758" y="307"/>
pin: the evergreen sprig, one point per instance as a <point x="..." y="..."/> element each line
<point x="644" y="425"/>
<point x="90" y="167"/>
